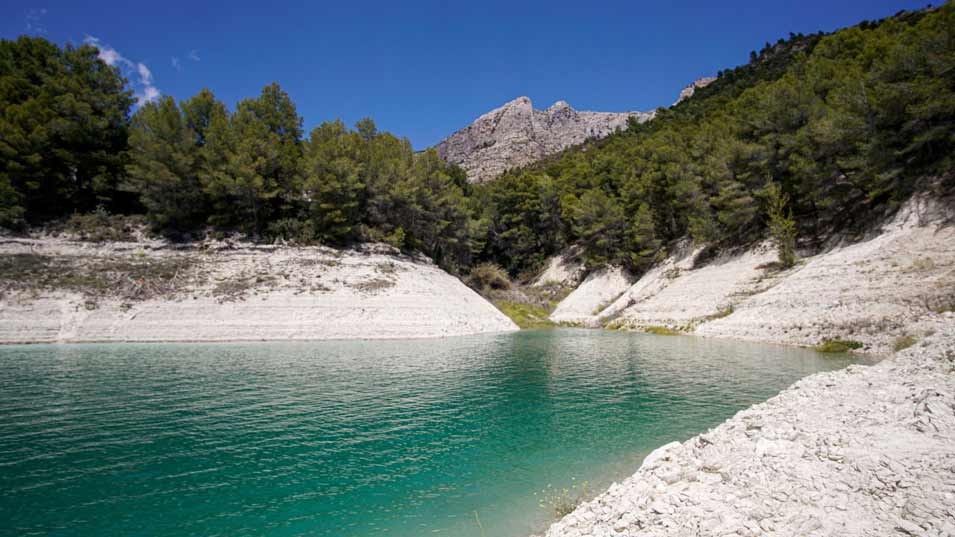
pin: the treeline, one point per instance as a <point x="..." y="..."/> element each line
<point x="815" y="134"/>
<point x="842" y="126"/>
<point x="195" y="164"/>
<point x="70" y="145"/>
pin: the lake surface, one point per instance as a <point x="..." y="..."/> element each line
<point x="450" y="437"/>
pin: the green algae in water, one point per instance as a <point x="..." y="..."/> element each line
<point x="397" y="438"/>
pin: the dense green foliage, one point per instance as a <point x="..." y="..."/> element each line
<point x="842" y="127"/>
<point x="815" y="134"/>
<point x="63" y="130"/>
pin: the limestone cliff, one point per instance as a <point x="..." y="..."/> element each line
<point x="516" y="134"/>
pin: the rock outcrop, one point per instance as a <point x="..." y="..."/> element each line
<point x="599" y="289"/>
<point x="688" y="91"/>
<point x="516" y="134"/>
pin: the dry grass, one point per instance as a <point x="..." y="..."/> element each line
<point x="903" y="342"/>
<point x="374" y="285"/>
<point x="128" y="278"/>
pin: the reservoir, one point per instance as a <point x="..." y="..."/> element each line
<point x="460" y="436"/>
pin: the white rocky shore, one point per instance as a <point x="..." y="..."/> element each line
<point x="222" y="291"/>
<point x="866" y="451"/>
<point x="894" y="283"/>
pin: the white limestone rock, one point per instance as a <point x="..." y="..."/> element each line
<point x="516" y="135"/>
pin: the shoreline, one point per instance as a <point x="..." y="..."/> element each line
<point x="826" y="456"/>
<point x="6" y="343"/>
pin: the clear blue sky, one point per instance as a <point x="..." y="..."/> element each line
<point x="426" y="69"/>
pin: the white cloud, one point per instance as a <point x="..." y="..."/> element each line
<point x="176" y="63"/>
<point x="193" y="55"/>
<point x="149" y="94"/>
<point x="145" y="75"/>
<point x="34" y="18"/>
<point x="147" y="91"/>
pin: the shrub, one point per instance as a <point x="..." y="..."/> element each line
<point x="838" y="345"/>
<point x="782" y="226"/>
<point x="293" y="230"/>
<point x="488" y="276"/>
<point x="562" y="502"/>
<point x="724" y="311"/>
<point x="100" y="226"/>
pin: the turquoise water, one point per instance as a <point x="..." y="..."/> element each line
<point x="397" y="438"/>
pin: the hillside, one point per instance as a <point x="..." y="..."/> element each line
<point x="893" y="287"/>
<point x="827" y="132"/>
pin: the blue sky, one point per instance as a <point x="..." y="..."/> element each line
<point x="426" y="69"/>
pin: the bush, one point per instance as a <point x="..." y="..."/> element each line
<point x="100" y="226"/>
<point x="838" y="345"/>
<point x="782" y="226"/>
<point x="488" y="276"/>
<point x="293" y="230"/>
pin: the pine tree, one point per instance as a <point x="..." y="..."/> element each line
<point x="164" y="166"/>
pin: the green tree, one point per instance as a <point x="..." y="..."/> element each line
<point x="282" y="165"/>
<point x="333" y="182"/>
<point x="63" y="131"/>
<point x="600" y="223"/>
<point x="164" y="166"/>
<point x="644" y="244"/>
<point x="238" y="157"/>
<point x="782" y="226"/>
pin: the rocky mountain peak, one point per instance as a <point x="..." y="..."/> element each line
<point x="516" y="134"/>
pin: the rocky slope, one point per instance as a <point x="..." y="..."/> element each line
<point x="869" y="450"/>
<point x="894" y="284"/>
<point x="866" y="451"/>
<point x="55" y="290"/>
<point x="516" y="134"/>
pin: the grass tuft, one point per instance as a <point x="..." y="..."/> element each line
<point x="661" y="331"/>
<point x="838" y="345"/>
<point x="525" y="316"/>
<point x="561" y="502"/>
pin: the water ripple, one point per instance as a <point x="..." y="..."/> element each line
<point x="397" y="438"/>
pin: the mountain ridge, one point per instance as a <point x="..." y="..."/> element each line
<point x="516" y="134"/>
